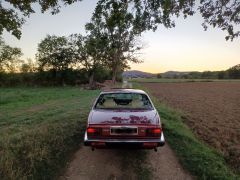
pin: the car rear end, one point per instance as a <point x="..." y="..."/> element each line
<point x="110" y="136"/>
<point x="128" y="125"/>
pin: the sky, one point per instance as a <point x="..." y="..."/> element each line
<point x="187" y="47"/>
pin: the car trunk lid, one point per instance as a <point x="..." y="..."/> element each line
<point x="114" y="117"/>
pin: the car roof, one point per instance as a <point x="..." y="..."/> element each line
<point x="123" y="90"/>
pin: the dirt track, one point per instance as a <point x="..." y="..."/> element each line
<point x="113" y="164"/>
<point x="116" y="164"/>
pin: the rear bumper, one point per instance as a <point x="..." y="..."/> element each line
<point x="138" y="143"/>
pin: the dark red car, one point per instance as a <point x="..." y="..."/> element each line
<point x="124" y="118"/>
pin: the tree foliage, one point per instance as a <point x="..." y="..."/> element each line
<point x="55" y="53"/>
<point x="60" y="53"/>
<point x="28" y="67"/>
<point x="13" y="13"/>
<point x="88" y="52"/>
<point x="9" y="57"/>
<point x="10" y="21"/>
<point x="112" y="28"/>
<point x="148" y="14"/>
<point x="234" y="72"/>
<point x="224" y="14"/>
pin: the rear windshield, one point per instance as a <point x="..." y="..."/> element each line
<point x="123" y="101"/>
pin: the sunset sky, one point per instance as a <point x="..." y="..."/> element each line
<point x="187" y="47"/>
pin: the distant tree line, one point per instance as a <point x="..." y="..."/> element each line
<point x="58" y="62"/>
<point x="231" y="73"/>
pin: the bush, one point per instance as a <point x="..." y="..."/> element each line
<point x="234" y="72"/>
<point x="54" y="78"/>
<point x="102" y="74"/>
<point x="51" y="78"/>
<point x="159" y="75"/>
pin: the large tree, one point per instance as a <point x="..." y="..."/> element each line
<point x="9" y="57"/>
<point x="59" y="53"/>
<point x="112" y="26"/>
<point x="55" y="52"/>
<point x="88" y="52"/>
<point x="95" y="49"/>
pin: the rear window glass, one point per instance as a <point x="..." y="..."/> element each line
<point x="123" y="101"/>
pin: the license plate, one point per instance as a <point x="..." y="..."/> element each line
<point x="124" y="130"/>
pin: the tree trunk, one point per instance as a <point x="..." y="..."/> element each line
<point x="91" y="80"/>
<point x="114" y="75"/>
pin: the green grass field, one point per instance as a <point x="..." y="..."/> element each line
<point x="38" y="129"/>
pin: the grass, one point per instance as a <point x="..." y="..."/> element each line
<point x="39" y="127"/>
<point x="195" y="156"/>
<point x="164" y="80"/>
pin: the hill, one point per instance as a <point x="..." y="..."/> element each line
<point x="141" y="74"/>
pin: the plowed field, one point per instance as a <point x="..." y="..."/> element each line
<point x="211" y="109"/>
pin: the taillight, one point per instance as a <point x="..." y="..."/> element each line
<point x="154" y="132"/>
<point x="92" y="131"/>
